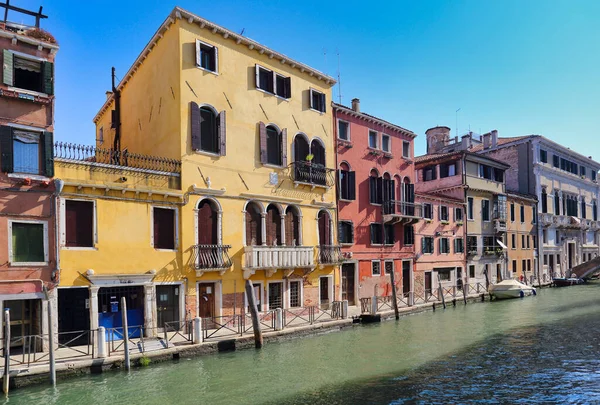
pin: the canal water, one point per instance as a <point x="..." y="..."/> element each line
<point x="543" y="349"/>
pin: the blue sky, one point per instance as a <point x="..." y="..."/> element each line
<point x="520" y="67"/>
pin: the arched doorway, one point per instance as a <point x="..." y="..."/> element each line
<point x="208" y="223"/>
<point x="273" y="226"/>
<point x="253" y="224"/>
<point x="292" y="226"/>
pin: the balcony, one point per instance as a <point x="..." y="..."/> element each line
<point x="472" y="250"/>
<point x="331" y="254"/>
<point x="272" y="258"/>
<point x="566" y="222"/>
<point x="401" y="211"/>
<point x="312" y="174"/>
<point x="546" y="219"/>
<point x="500" y="225"/>
<point x="207" y="258"/>
<point x="493" y="249"/>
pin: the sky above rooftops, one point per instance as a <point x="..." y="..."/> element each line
<point x="521" y="67"/>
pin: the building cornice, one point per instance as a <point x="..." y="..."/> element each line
<point x="372" y="119"/>
<point x="28" y="40"/>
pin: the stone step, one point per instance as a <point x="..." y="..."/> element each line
<point x="150" y="345"/>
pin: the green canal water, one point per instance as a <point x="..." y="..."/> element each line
<point x="543" y="349"/>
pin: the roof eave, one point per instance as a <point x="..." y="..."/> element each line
<point x="370" y="118"/>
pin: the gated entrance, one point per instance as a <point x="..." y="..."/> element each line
<point x="73" y="315"/>
<point x="110" y="312"/>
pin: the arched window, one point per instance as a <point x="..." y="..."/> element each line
<point x="207" y="223"/>
<point x="375" y="187"/>
<point x="409" y="197"/>
<point x="208" y="129"/>
<point x="389" y="194"/>
<point x="324" y="228"/>
<point x="346" y="182"/>
<point x="301" y="148"/>
<point x="273" y="225"/>
<point x="253" y="224"/>
<point x="274" y="146"/>
<point x="318" y="151"/>
<point x="292" y="226"/>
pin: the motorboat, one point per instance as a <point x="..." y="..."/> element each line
<point x="510" y="289"/>
<point x="566" y="282"/>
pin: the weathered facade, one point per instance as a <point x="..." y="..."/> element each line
<point x="521" y="232"/>
<point x="376" y="205"/>
<point x="29" y="269"/>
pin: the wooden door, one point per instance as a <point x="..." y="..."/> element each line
<point x="348" y="283"/>
<point x="167" y="305"/>
<point x="207" y="224"/>
<point x="406" y="277"/>
<point x="206" y="292"/>
<point x="324" y="293"/>
<point x="428" y="284"/>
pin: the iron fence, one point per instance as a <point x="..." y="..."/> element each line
<point x="265" y="319"/>
<point x="221" y="326"/>
<point x="179" y="329"/>
<point x="206" y="257"/>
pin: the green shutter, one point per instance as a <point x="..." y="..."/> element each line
<point x="8" y="68"/>
<point x="28" y="243"/>
<point x="48" y="78"/>
<point x="6" y="149"/>
<point x="48" y="154"/>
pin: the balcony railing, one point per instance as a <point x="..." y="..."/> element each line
<point x="471" y="250"/>
<point x="396" y="211"/>
<point x="211" y="258"/>
<point x="273" y="258"/>
<point x="92" y="154"/>
<point x="312" y="173"/>
<point x="330" y="254"/>
<point x="494" y="249"/>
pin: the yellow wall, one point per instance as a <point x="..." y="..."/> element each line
<point x="518" y="228"/>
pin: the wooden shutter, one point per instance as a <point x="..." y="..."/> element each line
<point x="290" y="232"/>
<point x="339" y="184"/>
<point x="249" y="229"/>
<point x="257" y="76"/>
<point x="48" y="77"/>
<point x="379" y="183"/>
<point x="422" y="245"/>
<point x="6" y="149"/>
<point x="8" y="68"/>
<point x="351" y="185"/>
<point x="195" y="126"/>
<point x="288" y="87"/>
<point x="262" y="131"/>
<point x="284" y="147"/>
<point x="198" y="61"/>
<point x="410" y="193"/>
<point x="48" y="154"/>
<point x="207" y="224"/>
<point x="222" y="134"/>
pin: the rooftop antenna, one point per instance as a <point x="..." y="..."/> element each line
<point x="242" y="32"/>
<point x="325" y="57"/>
<point x="457" y="121"/>
<point x="339" y="78"/>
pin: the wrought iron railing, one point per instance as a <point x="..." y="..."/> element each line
<point x="407" y="209"/>
<point x="211" y="257"/>
<point x="312" y="173"/>
<point x="92" y="154"/>
<point x="493" y="249"/>
<point x="330" y="254"/>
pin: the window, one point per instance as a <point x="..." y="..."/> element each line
<point x="28" y="73"/>
<point x="534" y="238"/>
<point x="512" y="212"/>
<point x="447" y="170"/>
<point x="164" y="228"/>
<point x="544" y="236"/>
<point x="343" y="130"/>
<point x="444" y="275"/>
<point x="206" y="56"/>
<point x="429" y="173"/>
<point x="522" y="214"/>
<point x="556" y="203"/>
<point x="458" y="214"/>
<point x="347" y="183"/>
<point x="459" y="245"/>
<point x="376" y="268"/>
<point x="389" y="234"/>
<point x="409" y="235"/>
<point x="100" y="139"/>
<point x="582" y="171"/>
<point x="522" y="241"/>
<point x="375" y="189"/>
<point x="594" y="210"/>
<point x="388" y="266"/>
<point x="528" y="264"/>
<point x="373" y="139"/>
<point x="208" y="129"/>
<point x="470" y="204"/>
<point x="427" y="244"/>
<point x="543" y="156"/>
<point x="79" y="221"/>
<point x="513" y="238"/>
<point x="528" y="242"/>
<point x="557" y="238"/>
<point x="346" y="232"/>
<point x="405" y="149"/>
<point x="485" y="210"/>
<point x="555" y="161"/>
<point x="376" y="234"/>
<point x="283" y="86"/>
<point x="385" y="143"/>
<point x="317" y="100"/>
<point x="275" y="295"/>
<point x="471" y="271"/>
<point x="26" y="152"/>
<point x="427" y="211"/>
<point x="273" y="146"/>
<point x="583" y="207"/>
<point x="593" y="175"/>
<point x="28" y="243"/>
<point x="443" y="213"/>
<point x="485" y="172"/>
<point x="544" y="201"/>
<point x="444" y="245"/>
<point x="264" y="79"/>
<point x="514" y="266"/>
<point x="295" y="294"/>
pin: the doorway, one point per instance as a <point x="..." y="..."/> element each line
<point x="324" y="297"/>
<point x="73" y="315"/>
<point x="428" y="284"/>
<point x="571" y="254"/>
<point x="25" y="320"/>
<point x="498" y="272"/>
<point x="348" y="283"/>
<point x="257" y="297"/>
<point x="206" y="294"/>
<point x="110" y="311"/>
<point x="167" y="304"/>
<point x="406" y="276"/>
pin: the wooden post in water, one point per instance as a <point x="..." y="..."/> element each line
<point x="441" y="291"/>
<point x="465" y="293"/>
<point x="51" y="346"/>
<point x="5" y="377"/>
<point x="125" y="332"/>
<point x="394" y="298"/>
<point x="258" y="339"/>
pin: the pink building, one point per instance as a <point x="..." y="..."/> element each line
<point x="376" y="210"/>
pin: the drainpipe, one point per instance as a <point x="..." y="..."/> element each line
<point x="58" y="187"/>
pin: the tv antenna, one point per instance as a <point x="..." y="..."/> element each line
<point x="339" y="78"/>
<point x="457" y="122"/>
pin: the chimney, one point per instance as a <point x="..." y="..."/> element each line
<point x="466" y="142"/>
<point x="356" y="105"/>
<point x="486" y="140"/>
<point x="109" y="94"/>
<point x="494" y="138"/>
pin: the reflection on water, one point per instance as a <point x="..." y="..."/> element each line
<point x="542" y="349"/>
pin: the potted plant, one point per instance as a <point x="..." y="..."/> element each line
<point x="309" y="158"/>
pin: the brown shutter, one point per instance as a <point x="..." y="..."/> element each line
<point x="262" y="130"/>
<point x="351" y="185"/>
<point x="222" y="134"/>
<point x="195" y="126"/>
<point x="207" y="224"/>
<point x="289" y="228"/>
<point x="248" y="229"/>
<point x="6" y="149"/>
<point x="270" y="228"/>
<point x="284" y="147"/>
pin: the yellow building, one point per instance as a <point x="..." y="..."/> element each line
<point x="521" y="232"/>
<point x="253" y="130"/>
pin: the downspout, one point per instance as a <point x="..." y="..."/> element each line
<point x="58" y="187"/>
<point x="466" y="222"/>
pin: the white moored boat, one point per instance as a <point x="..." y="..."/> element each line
<point x="510" y="289"/>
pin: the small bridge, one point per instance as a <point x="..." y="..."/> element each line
<point x="587" y="269"/>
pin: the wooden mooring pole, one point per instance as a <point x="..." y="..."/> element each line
<point x="441" y="291"/>
<point x="51" y="346"/>
<point x="125" y="332"/>
<point x="5" y="377"/>
<point x="465" y="293"/>
<point x="258" y="338"/>
<point x="394" y="296"/>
